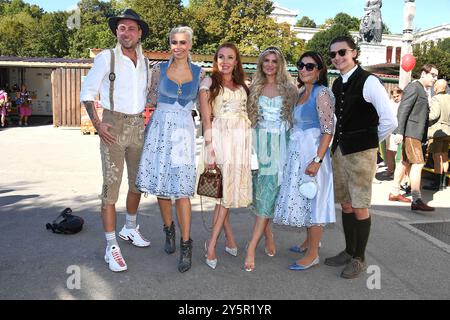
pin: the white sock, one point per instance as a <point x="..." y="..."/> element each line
<point x="110" y="239"/>
<point x="131" y="221"/>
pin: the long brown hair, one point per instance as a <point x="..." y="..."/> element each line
<point x="238" y="75"/>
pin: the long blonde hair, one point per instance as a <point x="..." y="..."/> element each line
<point x="284" y="83"/>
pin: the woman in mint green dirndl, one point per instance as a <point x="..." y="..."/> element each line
<point x="272" y="95"/>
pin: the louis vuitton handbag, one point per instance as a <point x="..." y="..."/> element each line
<point x="210" y="183"/>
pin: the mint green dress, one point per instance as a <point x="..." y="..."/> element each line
<point x="270" y="143"/>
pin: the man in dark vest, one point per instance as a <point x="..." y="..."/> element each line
<point x="412" y="131"/>
<point x="364" y="118"/>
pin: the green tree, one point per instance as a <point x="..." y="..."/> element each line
<point x="246" y="23"/>
<point x="52" y="36"/>
<point x="16" y="34"/>
<point x="161" y="16"/>
<point x="352" y="23"/>
<point x="94" y="31"/>
<point x="437" y="54"/>
<point x="321" y="40"/>
<point x="328" y="23"/>
<point x="386" y="29"/>
<point x="12" y="7"/>
<point x="444" y="45"/>
<point x="306" y="22"/>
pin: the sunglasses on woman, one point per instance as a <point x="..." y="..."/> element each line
<point x="341" y="52"/>
<point x="309" y="66"/>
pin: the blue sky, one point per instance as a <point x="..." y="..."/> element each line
<point x="427" y="15"/>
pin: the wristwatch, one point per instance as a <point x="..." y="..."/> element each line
<point x="317" y="159"/>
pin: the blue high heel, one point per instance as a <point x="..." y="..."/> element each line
<point x="298" y="249"/>
<point x="299" y="267"/>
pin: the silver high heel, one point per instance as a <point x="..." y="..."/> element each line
<point x="267" y="252"/>
<point x="211" y="263"/>
<point x="270" y="254"/>
<point x="248" y="268"/>
<point x="232" y="251"/>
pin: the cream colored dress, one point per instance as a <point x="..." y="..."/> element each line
<point x="231" y="140"/>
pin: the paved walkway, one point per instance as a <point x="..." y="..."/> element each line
<point x="46" y="169"/>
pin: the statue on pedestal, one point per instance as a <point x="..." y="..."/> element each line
<point x="371" y="27"/>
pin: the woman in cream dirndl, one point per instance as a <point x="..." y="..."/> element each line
<point x="223" y="98"/>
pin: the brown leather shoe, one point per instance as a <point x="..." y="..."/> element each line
<point x="399" y="198"/>
<point x="340" y="259"/>
<point x="353" y="269"/>
<point x="420" y="205"/>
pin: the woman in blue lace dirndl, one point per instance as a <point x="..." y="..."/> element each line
<point x="167" y="168"/>
<point x="309" y="159"/>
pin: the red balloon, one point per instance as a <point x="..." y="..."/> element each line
<point x="408" y="62"/>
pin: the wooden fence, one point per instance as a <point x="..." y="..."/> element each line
<point x="66" y="85"/>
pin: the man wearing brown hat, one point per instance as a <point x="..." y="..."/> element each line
<point x="121" y="77"/>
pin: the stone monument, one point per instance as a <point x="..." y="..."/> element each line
<point x="371" y="27"/>
<point x="370" y="31"/>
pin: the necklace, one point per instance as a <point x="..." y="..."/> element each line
<point x="179" y="92"/>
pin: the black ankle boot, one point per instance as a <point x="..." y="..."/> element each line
<point x="169" y="246"/>
<point x="185" y="255"/>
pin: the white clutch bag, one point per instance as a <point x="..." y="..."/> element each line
<point x="309" y="189"/>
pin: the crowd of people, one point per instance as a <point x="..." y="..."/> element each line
<point x="289" y="126"/>
<point x="15" y="102"/>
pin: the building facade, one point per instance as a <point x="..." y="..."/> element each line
<point x="391" y="43"/>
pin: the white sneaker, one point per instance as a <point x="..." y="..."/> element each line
<point x="114" y="258"/>
<point x="134" y="236"/>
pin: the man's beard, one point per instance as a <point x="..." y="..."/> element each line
<point x="128" y="44"/>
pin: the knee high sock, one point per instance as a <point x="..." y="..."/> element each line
<point x="362" y="236"/>
<point x="348" y="222"/>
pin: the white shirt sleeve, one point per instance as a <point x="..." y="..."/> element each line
<point x="95" y="76"/>
<point x="375" y="93"/>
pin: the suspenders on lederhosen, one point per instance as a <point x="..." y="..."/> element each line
<point x="112" y="77"/>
